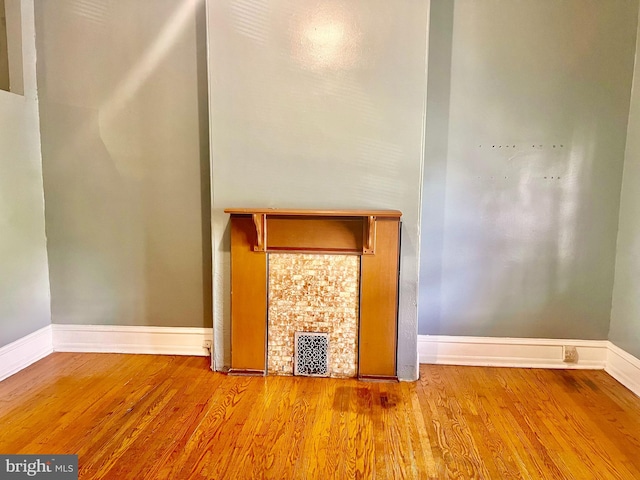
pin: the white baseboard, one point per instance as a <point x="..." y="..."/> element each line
<point x="624" y="367"/>
<point x="131" y="339"/>
<point x="510" y="352"/>
<point x="25" y="351"/>
<point x="438" y="349"/>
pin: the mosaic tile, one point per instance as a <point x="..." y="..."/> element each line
<point x="313" y="293"/>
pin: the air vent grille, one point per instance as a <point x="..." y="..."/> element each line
<point x="311" y="354"/>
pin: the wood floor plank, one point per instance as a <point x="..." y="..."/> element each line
<point x="360" y="428"/>
<point x="250" y="455"/>
<point x="417" y="435"/>
<point x="159" y="438"/>
<point x="498" y="461"/>
<point x="209" y="450"/>
<point x="316" y="441"/>
<point x="161" y="417"/>
<point x="301" y="412"/>
<point x="397" y="433"/>
<point x="338" y="433"/>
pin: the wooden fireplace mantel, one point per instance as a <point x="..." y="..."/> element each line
<point x="360" y="220"/>
<point x="372" y="234"/>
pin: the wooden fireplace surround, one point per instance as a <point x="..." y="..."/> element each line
<point x="372" y="234"/>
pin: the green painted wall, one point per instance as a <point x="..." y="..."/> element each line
<point x="125" y="155"/>
<point x="24" y="281"/>
<point x="321" y="105"/>
<point x="318" y="105"/>
<point x="526" y="126"/>
<point x="625" y="313"/>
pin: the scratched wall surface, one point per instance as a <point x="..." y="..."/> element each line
<point x="318" y="105"/>
<point x="313" y="293"/>
<point x="526" y="124"/>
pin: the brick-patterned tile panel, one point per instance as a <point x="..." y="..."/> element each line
<point x="313" y="293"/>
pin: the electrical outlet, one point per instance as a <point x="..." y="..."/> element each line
<point x="569" y="354"/>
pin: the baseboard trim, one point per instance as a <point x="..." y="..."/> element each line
<point x="436" y="349"/>
<point x="624" y="367"/>
<point x="510" y="352"/>
<point x="25" y="351"/>
<point x="132" y="339"/>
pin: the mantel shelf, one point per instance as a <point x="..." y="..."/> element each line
<point x="286" y="212"/>
<point x="348" y="231"/>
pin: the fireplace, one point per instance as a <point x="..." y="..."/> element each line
<point x="314" y="272"/>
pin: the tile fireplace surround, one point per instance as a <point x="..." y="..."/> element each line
<point x="313" y="293"/>
<point x="268" y="245"/>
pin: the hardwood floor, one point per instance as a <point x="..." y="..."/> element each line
<point x="147" y="417"/>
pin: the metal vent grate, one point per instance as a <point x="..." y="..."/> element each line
<point x="311" y="354"/>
